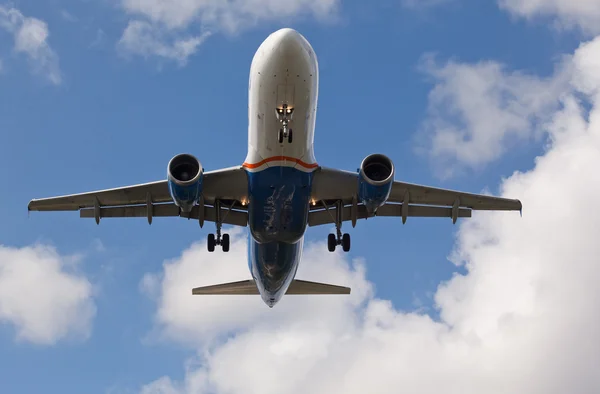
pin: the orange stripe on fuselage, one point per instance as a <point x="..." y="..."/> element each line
<point x="279" y="158"/>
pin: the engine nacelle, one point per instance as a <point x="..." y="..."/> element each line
<point x="375" y="180"/>
<point x="184" y="174"/>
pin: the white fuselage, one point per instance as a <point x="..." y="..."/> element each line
<point x="284" y="76"/>
<point x="284" y="70"/>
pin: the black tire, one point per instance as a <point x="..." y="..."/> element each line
<point x="346" y="242"/>
<point x="290" y="136"/>
<point x="225" y="242"/>
<point x="210" y="243"/>
<point x="331" y="242"/>
<point x="280" y="136"/>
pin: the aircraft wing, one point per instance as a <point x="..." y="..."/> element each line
<point x="331" y="185"/>
<point x="229" y="185"/>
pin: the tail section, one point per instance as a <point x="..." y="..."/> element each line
<point x="248" y="287"/>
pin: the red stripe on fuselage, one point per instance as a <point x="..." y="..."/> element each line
<point x="279" y="158"/>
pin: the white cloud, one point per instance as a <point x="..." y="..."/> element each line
<point x="160" y="27"/>
<point x="477" y="111"/>
<point x="228" y="15"/>
<point x="198" y="319"/>
<point x="524" y="319"/>
<point x="141" y="38"/>
<point x="43" y="296"/>
<point x="584" y="14"/>
<point x="31" y="39"/>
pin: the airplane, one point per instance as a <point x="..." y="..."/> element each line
<point x="279" y="190"/>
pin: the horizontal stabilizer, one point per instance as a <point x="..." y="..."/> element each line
<point x="243" y="287"/>
<point x="304" y="287"/>
<point x="248" y="287"/>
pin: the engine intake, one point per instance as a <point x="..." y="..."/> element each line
<point x="184" y="175"/>
<point x="375" y="180"/>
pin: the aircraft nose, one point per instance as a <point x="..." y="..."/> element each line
<point x="288" y="41"/>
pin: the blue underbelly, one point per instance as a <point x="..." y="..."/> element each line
<point x="277" y="217"/>
<point x="279" y="203"/>
<point x="274" y="266"/>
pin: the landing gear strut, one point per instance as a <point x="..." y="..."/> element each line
<point x="284" y="115"/>
<point x="218" y="239"/>
<point x="338" y="239"/>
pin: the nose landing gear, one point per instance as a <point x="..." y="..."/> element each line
<point x="284" y="115"/>
<point x="283" y="134"/>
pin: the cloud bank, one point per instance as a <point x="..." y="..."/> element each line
<point x="42" y="296"/>
<point x="175" y="29"/>
<point x="478" y="111"/>
<point x="582" y="14"/>
<point x="525" y="318"/>
<point x="144" y="39"/>
<point x="31" y="39"/>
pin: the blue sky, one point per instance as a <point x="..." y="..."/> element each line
<point x="102" y="94"/>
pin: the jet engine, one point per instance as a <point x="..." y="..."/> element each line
<point x="375" y="179"/>
<point x="184" y="174"/>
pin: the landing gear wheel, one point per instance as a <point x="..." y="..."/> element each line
<point x="211" y="243"/>
<point x="346" y="242"/>
<point x="290" y="136"/>
<point x="331" y="242"/>
<point x="280" y="136"/>
<point x="338" y="238"/>
<point x="225" y="242"/>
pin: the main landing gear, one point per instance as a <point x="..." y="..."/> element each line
<point x="333" y="241"/>
<point x="218" y="239"/>
<point x="284" y="115"/>
<point x="338" y="239"/>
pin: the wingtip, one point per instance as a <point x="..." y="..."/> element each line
<point x="31" y="205"/>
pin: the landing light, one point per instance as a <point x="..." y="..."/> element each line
<point x="284" y="109"/>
